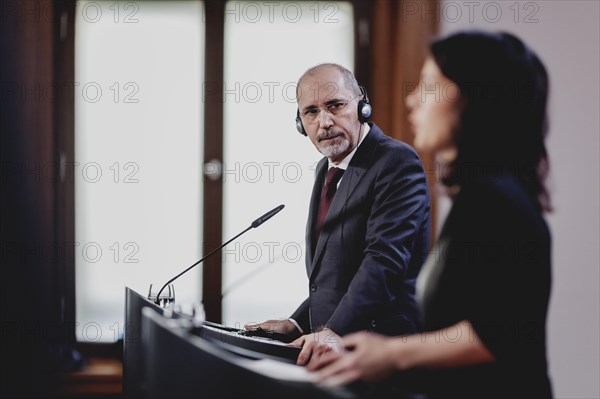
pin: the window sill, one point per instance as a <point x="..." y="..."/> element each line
<point x="100" y="376"/>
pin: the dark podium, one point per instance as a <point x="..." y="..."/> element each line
<point x="167" y="354"/>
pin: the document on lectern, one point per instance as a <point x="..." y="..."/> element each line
<point x="283" y="371"/>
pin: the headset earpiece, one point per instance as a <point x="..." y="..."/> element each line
<point x="299" y="126"/>
<point x="364" y="110"/>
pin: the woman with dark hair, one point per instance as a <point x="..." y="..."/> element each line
<point x="480" y="107"/>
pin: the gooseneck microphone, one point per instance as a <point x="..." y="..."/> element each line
<point x="254" y="225"/>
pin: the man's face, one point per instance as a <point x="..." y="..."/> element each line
<point x="329" y="113"/>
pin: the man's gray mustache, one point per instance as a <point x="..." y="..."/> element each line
<point x="329" y="135"/>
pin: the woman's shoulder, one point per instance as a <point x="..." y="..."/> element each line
<point x="500" y="197"/>
<point x="499" y="189"/>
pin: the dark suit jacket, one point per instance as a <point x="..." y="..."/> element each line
<point x="362" y="272"/>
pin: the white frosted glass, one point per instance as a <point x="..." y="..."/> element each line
<point x="139" y="145"/>
<point x="266" y="161"/>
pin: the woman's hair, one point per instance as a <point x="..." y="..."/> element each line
<point x="504" y="86"/>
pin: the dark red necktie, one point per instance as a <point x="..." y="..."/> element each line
<point x="329" y="188"/>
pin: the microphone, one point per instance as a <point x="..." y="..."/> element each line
<point x="254" y="225"/>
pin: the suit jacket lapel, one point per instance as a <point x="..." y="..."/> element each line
<point x="362" y="160"/>
<point x="314" y="204"/>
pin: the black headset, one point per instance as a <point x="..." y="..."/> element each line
<point x="364" y="111"/>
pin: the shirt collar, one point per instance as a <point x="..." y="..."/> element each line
<point x="346" y="161"/>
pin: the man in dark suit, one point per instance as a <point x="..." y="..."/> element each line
<point x="368" y="225"/>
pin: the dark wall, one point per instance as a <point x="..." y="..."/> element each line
<point x="34" y="335"/>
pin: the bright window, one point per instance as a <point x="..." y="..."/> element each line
<point x="139" y="145"/>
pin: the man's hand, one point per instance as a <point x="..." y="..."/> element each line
<point x="316" y="344"/>
<point x="279" y="326"/>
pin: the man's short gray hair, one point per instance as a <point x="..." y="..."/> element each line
<point x="348" y="76"/>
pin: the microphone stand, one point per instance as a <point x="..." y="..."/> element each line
<point x="254" y="224"/>
<point x="200" y="261"/>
